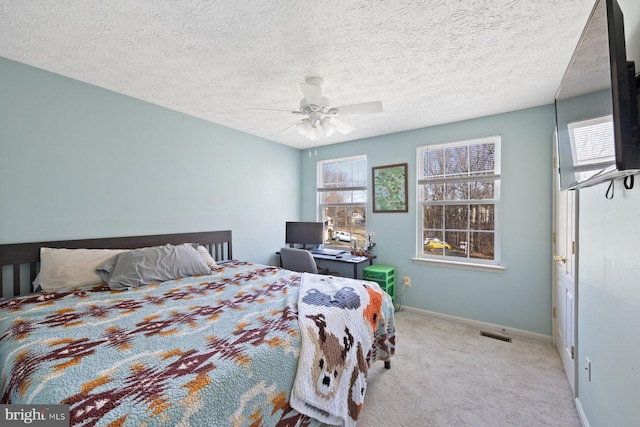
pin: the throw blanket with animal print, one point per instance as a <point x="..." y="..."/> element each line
<point x="338" y="321"/>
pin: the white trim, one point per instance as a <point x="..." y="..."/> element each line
<point x="461" y="202"/>
<point x="493" y="268"/>
<point x="473" y="141"/>
<point x="329" y="205"/>
<point x="344" y="159"/>
<point x="332" y="189"/>
<point x="484" y="326"/>
<point x="463" y="178"/>
<point x="581" y="414"/>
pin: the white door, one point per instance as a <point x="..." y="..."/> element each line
<point x="564" y="277"/>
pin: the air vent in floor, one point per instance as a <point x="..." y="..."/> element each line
<point x="495" y="336"/>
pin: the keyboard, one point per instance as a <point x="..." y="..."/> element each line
<point x="331" y="252"/>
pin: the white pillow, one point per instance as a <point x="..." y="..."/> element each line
<point x="70" y="268"/>
<point x="206" y="256"/>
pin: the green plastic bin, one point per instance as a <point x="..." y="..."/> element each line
<point x="383" y="275"/>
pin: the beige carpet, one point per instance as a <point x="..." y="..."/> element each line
<point x="446" y="374"/>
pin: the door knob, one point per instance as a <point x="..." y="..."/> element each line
<point x="560" y="258"/>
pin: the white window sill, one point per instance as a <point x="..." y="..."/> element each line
<point x="458" y="264"/>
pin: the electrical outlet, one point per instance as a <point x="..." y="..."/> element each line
<point x="407" y="281"/>
<point x="587" y="367"/>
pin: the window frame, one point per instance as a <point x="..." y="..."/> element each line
<point x="465" y="262"/>
<point x="321" y="189"/>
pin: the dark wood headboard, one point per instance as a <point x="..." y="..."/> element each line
<point x="218" y="243"/>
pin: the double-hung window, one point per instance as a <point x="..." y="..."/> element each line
<point x="458" y="201"/>
<point x="342" y="200"/>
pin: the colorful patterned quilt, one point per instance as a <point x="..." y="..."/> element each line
<point x="219" y="350"/>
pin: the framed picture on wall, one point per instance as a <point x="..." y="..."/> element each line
<point x="390" y="191"/>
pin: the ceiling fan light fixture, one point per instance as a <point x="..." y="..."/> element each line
<point x="327" y="126"/>
<point x="313" y="133"/>
<point x="303" y="126"/>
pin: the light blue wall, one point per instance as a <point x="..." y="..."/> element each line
<point x="77" y="161"/>
<point x="521" y="296"/>
<point x="609" y="288"/>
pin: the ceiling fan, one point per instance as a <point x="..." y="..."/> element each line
<point x="321" y="117"/>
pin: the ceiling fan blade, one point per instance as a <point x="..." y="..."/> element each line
<point x="290" y="126"/>
<point x="275" y="109"/>
<point x="365" y="107"/>
<point x="313" y="94"/>
<point x="342" y="127"/>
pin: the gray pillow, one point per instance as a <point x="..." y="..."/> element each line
<point x="145" y="266"/>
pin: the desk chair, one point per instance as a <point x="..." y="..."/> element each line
<point x="300" y="260"/>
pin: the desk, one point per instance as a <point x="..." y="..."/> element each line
<point x="345" y="258"/>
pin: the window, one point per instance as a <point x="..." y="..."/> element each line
<point x="592" y="141"/>
<point x="342" y="200"/>
<point x="592" y="145"/>
<point x="458" y="201"/>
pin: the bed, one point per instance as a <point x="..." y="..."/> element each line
<point x="239" y="344"/>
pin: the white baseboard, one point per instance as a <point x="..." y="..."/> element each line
<point x="489" y="327"/>
<point x="581" y="414"/>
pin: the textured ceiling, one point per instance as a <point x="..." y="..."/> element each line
<point x="429" y="62"/>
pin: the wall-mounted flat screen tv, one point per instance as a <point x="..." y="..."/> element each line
<point x="597" y="123"/>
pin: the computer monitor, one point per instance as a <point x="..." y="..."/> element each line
<point x="304" y="233"/>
